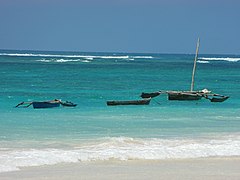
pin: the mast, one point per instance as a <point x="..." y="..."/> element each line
<point x="194" y="66"/>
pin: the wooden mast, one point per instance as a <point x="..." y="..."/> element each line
<point x="194" y="66"/>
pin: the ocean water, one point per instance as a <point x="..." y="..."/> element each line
<point x="94" y="131"/>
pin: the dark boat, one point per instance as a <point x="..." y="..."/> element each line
<point x="150" y="95"/>
<point x="45" y="104"/>
<point x="40" y="104"/>
<point x="190" y="95"/>
<point x="184" y="96"/>
<point x="68" y="104"/>
<point x="145" y="101"/>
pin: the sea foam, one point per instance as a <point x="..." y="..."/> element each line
<point x="230" y="59"/>
<point x="60" y="55"/>
<point x="64" y="60"/>
<point x="203" y="62"/>
<point x="88" y="57"/>
<point x="121" y="148"/>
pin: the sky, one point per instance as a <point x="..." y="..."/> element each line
<point x="141" y="26"/>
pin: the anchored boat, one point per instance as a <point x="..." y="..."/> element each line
<point x="190" y="95"/>
<point x="46" y="104"/>
<point x="184" y="95"/>
<point x="144" y="101"/>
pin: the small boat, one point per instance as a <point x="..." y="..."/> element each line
<point x="45" y="104"/>
<point x="184" y="95"/>
<point x="189" y="95"/>
<point x="145" y="101"/>
<point x="150" y="95"/>
<point x="68" y="104"/>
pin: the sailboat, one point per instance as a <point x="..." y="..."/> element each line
<point x="192" y="94"/>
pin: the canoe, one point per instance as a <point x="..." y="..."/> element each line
<point x="145" y="101"/>
<point x="45" y="104"/>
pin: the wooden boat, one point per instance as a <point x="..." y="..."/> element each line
<point x="144" y="101"/>
<point x="184" y="95"/>
<point x="189" y="95"/>
<point x="45" y="104"/>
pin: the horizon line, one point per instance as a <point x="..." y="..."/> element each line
<point x="77" y="51"/>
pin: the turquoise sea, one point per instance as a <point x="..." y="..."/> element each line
<point x="94" y="131"/>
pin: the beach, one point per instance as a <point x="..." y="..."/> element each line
<point x="194" y="169"/>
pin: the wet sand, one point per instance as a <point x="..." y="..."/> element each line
<point x="186" y="169"/>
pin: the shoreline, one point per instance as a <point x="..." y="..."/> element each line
<point x="201" y="168"/>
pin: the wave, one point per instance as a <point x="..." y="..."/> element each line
<point x="121" y="148"/>
<point x="230" y="59"/>
<point x="89" y="57"/>
<point x="40" y="55"/>
<point x="203" y="62"/>
<point x="64" y="56"/>
<point x="64" y="60"/>
<point x="143" y="57"/>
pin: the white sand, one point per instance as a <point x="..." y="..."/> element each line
<point x="200" y="169"/>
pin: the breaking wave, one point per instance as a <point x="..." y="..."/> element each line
<point x="144" y="57"/>
<point x="121" y="148"/>
<point x="230" y="59"/>
<point x="89" y="57"/>
<point x="203" y="62"/>
<point x="64" y="60"/>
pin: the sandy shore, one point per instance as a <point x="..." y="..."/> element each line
<point x="206" y="168"/>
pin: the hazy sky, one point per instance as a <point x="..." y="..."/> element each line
<point x="161" y="26"/>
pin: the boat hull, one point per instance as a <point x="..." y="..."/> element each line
<point x="134" y="102"/>
<point x="46" y="104"/>
<point x="184" y="96"/>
